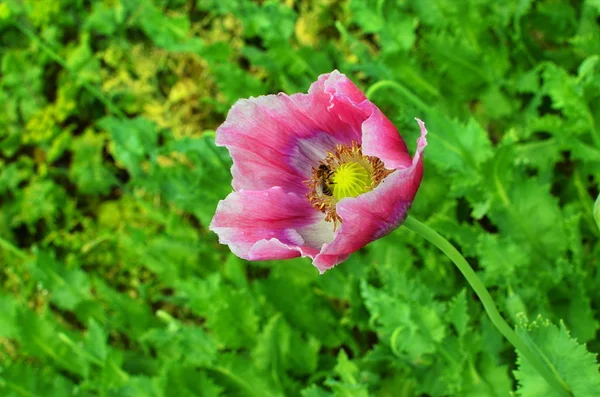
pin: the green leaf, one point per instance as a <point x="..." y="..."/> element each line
<point x="568" y="96"/>
<point x="168" y="32"/>
<point x="456" y="147"/>
<point x="121" y="289"/>
<point x="489" y="379"/>
<point x="8" y="312"/>
<point x="141" y="386"/>
<point x="273" y="347"/>
<point x="105" y="18"/>
<point x="234" y="83"/>
<point x="259" y="21"/>
<point x="367" y="15"/>
<point x="233" y="319"/>
<point x="501" y="258"/>
<point x="96" y="340"/>
<point x="305" y="360"/>
<point x="82" y="63"/>
<point x="203" y="177"/>
<point x="289" y="295"/>
<point x="133" y="141"/>
<point x="188" y="382"/>
<point x="20" y="379"/>
<point x="68" y="287"/>
<point x="41" y="199"/>
<point x="541" y="154"/>
<point x="5" y="12"/>
<point x="315" y="391"/>
<point x="280" y="348"/>
<point x="581" y="316"/>
<point x="347" y="382"/>
<point x="407" y="319"/>
<point x="126" y="315"/>
<point x="458" y="312"/>
<point x="187" y="345"/>
<point x="242" y="378"/>
<point x="13" y="174"/>
<point x="88" y="170"/>
<point x="571" y="360"/>
<point x="38" y="337"/>
<point x="22" y="79"/>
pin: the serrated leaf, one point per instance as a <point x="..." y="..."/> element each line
<point x="233" y="319"/>
<point x="273" y="347"/>
<point x="188" y="382"/>
<point x="567" y="96"/>
<point x="188" y="345"/>
<point x="20" y="379"/>
<point x="243" y="379"/>
<point x="280" y="348"/>
<point x="457" y="147"/>
<point x="349" y="383"/>
<point x="410" y="332"/>
<point x="304" y="361"/>
<point x="458" y="312"/>
<point x="571" y="360"/>
<point x="500" y="257"/>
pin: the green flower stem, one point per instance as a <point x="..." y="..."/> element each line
<point x="542" y="367"/>
<point x="415" y="100"/>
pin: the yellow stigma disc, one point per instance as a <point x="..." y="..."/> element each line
<point x="350" y="180"/>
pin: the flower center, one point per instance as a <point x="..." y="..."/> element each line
<point x="345" y="172"/>
<point x="350" y="180"/>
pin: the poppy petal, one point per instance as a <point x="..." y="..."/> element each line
<point x="270" y="224"/>
<point x="275" y="140"/>
<point x="373" y="215"/>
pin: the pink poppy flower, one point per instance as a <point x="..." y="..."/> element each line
<point x="316" y="175"/>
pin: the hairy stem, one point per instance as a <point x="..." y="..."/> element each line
<point x="542" y="367"/>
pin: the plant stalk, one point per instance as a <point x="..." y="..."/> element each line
<point x="543" y="368"/>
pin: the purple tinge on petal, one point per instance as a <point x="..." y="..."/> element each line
<point x="270" y="224"/>
<point x="374" y="214"/>
<point x="275" y="140"/>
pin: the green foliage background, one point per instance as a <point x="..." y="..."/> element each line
<point x="111" y="284"/>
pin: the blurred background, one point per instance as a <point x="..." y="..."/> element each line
<point x="112" y="285"/>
